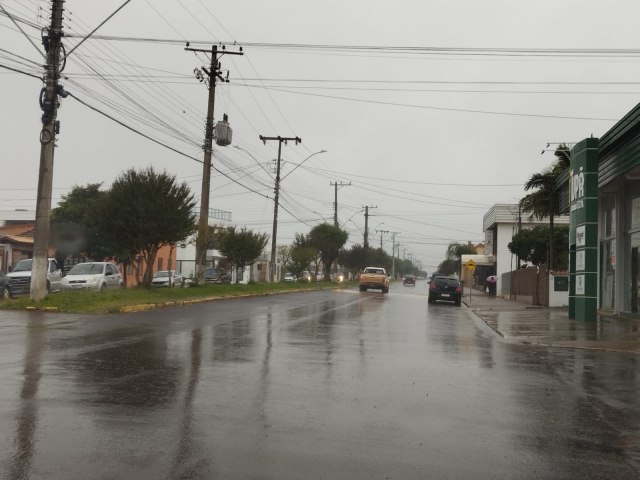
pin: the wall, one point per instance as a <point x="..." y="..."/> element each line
<point x="558" y="298"/>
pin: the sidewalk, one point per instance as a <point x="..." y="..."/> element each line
<point x="522" y="323"/>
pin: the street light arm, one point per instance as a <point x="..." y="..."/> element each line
<point x="294" y="169"/>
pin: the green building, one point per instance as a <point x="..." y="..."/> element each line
<point x="601" y="192"/>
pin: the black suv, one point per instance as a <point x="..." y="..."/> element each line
<point x="409" y="280"/>
<point x="445" y="288"/>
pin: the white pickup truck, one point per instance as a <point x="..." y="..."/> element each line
<point x="20" y="276"/>
<point x="374" y="277"/>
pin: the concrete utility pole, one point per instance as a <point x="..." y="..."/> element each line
<point x="366" y="224"/>
<point x="213" y="74"/>
<point x="393" y="255"/>
<point x="381" y="232"/>
<point x="335" y="203"/>
<point x="281" y="140"/>
<point x="50" y="127"/>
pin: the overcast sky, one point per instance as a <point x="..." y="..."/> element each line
<point x="445" y="114"/>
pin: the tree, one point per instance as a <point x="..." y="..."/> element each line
<point x="532" y="245"/>
<point x="544" y="200"/>
<point x="328" y="240"/>
<point x="302" y="254"/>
<point x="143" y="211"/>
<point x="242" y="247"/>
<point x="73" y="224"/>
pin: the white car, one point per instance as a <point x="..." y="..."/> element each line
<point x="161" y="279"/>
<point x="93" y="276"/>
<point x="289" y="277"/>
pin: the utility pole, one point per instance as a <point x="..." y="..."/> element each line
<point x="381" y="232"/>
<point x="52" y="42"/>
<point x="213" y="74"/>
<point x="366" y="225"/>
<point x="335" y="203"/>
<point x="281" y="140"/>
<point x="393" y="255"/>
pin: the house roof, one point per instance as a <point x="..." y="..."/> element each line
<point x="24" y="240"/>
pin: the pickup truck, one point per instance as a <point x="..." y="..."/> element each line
<point x="20" y="277"/>
<point x="374" y="277"/>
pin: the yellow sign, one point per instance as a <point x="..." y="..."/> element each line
<point x="471" y="265"/>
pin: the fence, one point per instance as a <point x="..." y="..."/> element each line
<point x="529" y="285"/>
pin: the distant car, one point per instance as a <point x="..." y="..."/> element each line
<point x="92" y="276"/>
<point x="5" y="287"/>
<point x="213" y="275"/>
<point x="161" y="279"/>
<point x="288" y="277"/>
<point x="445" y="288"/>
<point x="409" y="280"/>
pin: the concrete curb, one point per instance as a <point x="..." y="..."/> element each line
<point x="183" y="303"/>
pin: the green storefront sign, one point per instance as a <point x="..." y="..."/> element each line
<point x="583" y="231"/>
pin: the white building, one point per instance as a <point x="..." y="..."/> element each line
<point x="500" y="224"/>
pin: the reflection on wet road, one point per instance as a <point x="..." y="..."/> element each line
<point x="331" y="384"/>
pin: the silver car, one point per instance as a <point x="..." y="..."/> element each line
<point x="93" y="276"/>
<point x="162" y="277"/>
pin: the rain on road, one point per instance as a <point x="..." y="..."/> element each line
<point x="319" y="385"/>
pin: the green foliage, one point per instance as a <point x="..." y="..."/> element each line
<point x="143" y="211"/>
<point x="302" y="254"/>
<point x="328" y="240"/>
<point x="73" y="224"/>
<point x="242" y="247"/>
<point x="532" y="245"/>
<point x="448" y="267"/>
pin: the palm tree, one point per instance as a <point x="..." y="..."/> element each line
<point x="544" y="200"/>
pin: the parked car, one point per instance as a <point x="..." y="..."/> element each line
<point x="20" y="276"/>
<point x="305" y="276"/>
<point x="409" y="280"/>
<point x="5" y="287"/>
<point x="288" y="277"/>
<point x="93" y="276"/>
<point x="445" y="288"/>
<point x="213" y="275"/>
<point x="161" y="279"/>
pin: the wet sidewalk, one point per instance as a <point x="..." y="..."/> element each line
<point x="523" y="323"/>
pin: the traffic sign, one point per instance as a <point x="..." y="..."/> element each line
<point x="471" y="265"/>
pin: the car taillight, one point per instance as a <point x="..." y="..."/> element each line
<point x="458" y="289"/>
<point x="433" y="285"/>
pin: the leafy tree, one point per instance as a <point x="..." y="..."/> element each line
<point x="302" y="254"/>
<point x="532" y="245"/>
<point x="242" y="247"/>
<point x="73" y="224"/>
<point x="328" y="240"/>
<point x="448" y="267"/>
<point x="544" y="200"/>
<point x="284" y="253"/>
<point x="356" y="258"/>
<point x="143" y="211"/>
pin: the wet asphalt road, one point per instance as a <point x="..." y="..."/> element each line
<point x="320" y="385"/>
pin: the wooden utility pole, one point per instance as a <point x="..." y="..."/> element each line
<point x="50" y="126"/>
<point x="213" y="74"/>
<point x="281" y="140"/>
<point x="335" y="203"/>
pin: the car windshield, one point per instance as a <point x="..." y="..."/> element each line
<point x="86" y="269"/>
<point x="23" y="266"/>
<point x="373" y="270"/>
<point x="161" y="274"/>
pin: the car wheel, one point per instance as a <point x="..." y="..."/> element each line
<point x="48" y="287"/>
<point x="363" y="289"/>
<point x="103" y="287"/>
<point x="385" y="290"/>
<point x="458" y="303"/>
